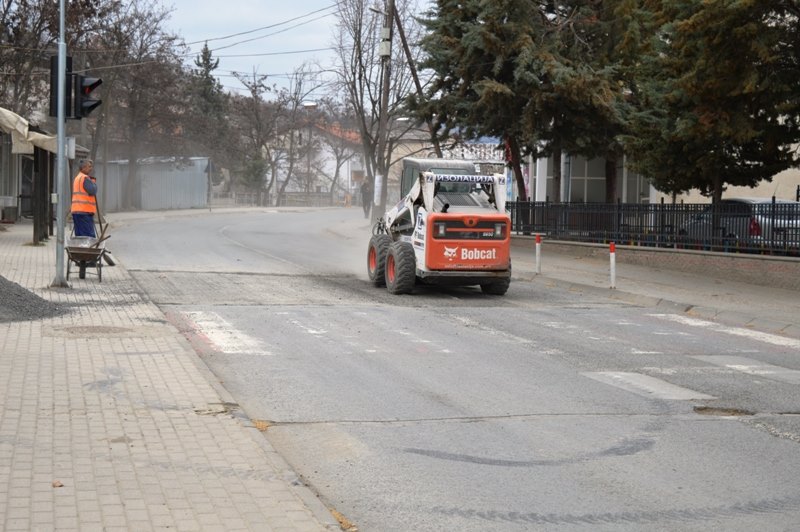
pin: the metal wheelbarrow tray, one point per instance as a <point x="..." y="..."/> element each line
<point x="85" y="252"/>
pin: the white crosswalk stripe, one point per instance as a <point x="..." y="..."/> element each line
<point x="753" y="367"/>
<point x="646" y="385"/>
<point x="773" y="339"/>
<point x="223" y="336"/>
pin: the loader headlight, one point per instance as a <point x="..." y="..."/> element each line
<point x="500" y="230"/>
<point x="440" y="229"/>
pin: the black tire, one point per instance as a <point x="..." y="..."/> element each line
<point x="401" y="268"/>
<point x="82" y="270"/>
<point x="100" y="270"/>
<point x="69" y="266"/>
<point x="376" y="258"/>
<point x="496" y="288"/>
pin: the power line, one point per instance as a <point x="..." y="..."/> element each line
<point x="269" y="34"/>
<point x="266" y="27"/>
<point x="328" y="11"/>
<point x="289" y="52"/>
<point x="275" y="25"/>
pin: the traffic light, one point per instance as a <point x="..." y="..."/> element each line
<point x="54" y="87"/>
<point x="84" y="102"/>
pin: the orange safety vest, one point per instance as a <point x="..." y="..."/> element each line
<point x="81" y="201"/>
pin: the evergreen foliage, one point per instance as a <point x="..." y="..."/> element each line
<point x="699" y="94"/>
<point x="207" y="124"/>
<point x="717" y="94"/>
<point x="533" y="74"/>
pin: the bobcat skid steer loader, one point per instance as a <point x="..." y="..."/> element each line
<point x="451" y="228"/>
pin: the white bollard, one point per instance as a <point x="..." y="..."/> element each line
<point x="613" y="257"/>
<point x="538" y="254"/>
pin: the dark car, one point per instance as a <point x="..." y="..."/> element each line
<point x="747" y="223"/>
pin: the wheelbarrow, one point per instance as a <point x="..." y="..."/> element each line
<point x="86" y="252"/>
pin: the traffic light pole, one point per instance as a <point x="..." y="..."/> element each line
<point x="59" y="279"/>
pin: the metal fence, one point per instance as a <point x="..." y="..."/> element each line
<point x="767" y="228"/>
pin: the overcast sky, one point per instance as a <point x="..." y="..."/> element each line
<point x="274" y="37"/>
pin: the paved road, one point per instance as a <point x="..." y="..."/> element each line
<point x="553" y="407"/>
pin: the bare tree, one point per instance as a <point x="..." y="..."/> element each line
<point x="255" y="123"/>
<point x="339" y="138"/>
<point x="144" y="115"/>
<point x="357" y="41"/>
<point x="271" y="131"/>
<point x="101" y="52"/>
<point x="28" y="37"/>
<point x="294" y="117"/>
<point x="25" y="36"/>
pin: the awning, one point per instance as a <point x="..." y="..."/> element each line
<point x="23" y="140"/>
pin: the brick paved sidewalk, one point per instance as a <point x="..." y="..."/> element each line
<point x="108" y="420"/>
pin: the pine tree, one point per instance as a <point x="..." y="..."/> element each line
<point x="206" y="120"/>
<point x="472" y="48"/>
<point x="575" y="85"/>
<point x="716" y="95"/>
<point x="535" y="74"/>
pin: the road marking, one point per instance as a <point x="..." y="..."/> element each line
<point x="223" y="336"/>
<point x="753" y="367"/>
<point x="558" y="325"/>
<point x="479" y="326"/>
<point x="736" y="331"/>
<point x="307" y="329"/>
<point x="646" y="385"/>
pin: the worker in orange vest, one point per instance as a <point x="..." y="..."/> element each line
<point x="84" y="202"/>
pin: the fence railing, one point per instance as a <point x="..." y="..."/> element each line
<point x="767" y="228"/>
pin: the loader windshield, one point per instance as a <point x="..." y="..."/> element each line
<point x="413" y="168"/>
<point x="458" y="193"/>
<point x="452" y="187"/>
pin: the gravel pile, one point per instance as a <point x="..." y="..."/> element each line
<point x="20" y="304"/>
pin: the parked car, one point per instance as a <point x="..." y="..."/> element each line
<point x="747" y="223"/>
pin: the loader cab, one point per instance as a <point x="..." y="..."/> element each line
<point x="413" y="168"/>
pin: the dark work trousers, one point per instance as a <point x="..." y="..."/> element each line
<point x="84" y="224"/>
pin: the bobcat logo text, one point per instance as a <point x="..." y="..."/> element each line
<point x="469" y="254"/>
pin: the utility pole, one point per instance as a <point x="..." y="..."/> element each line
<point x="417" y="84"/>
<point x="385" y="51"/>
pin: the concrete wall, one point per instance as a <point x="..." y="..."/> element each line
<point x="783" y="186"/>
